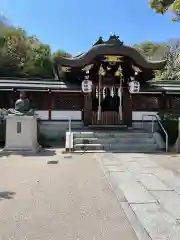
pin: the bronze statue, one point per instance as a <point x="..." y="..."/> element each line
<point x="22" y="106"/>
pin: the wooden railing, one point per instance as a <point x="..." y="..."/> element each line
<point x="107" y="118"/>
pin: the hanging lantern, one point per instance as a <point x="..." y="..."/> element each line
<point x="87" y="86"/>
<point x="65" y="69"/>
<point x="134" y="86"/>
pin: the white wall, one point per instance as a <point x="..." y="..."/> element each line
<point x="66" y="115"/>
<point x="137" y="116"/>
<point x="43" y="114"/>
<point x="77" y="115"/>
<point x="60" y="115"/>
<point x="56" y="130"/>
<point x="137" y="120"/>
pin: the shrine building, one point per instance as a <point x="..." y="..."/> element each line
<point x="110" y="84"/>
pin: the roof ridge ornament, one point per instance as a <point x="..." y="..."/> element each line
<point x="99" y="41"/>
<point x="114" y="39"/>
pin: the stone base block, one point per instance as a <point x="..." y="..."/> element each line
<point x="21" y="134"/>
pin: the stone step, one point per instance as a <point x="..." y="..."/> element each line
<point x="108" y="127"/>
<point x="114" y="140"/>
<point x="91" y="146"/>
<point x="119" y="147"/>
<point x="125" y="148"/>
<point x="115" y="151"/>
<point x="112" y="134"/>
<point x="145" y="150"/>
<point x="89" y="151"/>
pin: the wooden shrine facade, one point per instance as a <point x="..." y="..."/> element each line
<point x="53" y="103"/>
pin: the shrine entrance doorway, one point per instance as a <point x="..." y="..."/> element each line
<point x="107" y="106"/>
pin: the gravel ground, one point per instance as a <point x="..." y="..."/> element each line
<point x="68" y="200"/>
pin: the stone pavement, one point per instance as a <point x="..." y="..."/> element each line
<point x="148" y="189"/>
<point x="71" y="200"/>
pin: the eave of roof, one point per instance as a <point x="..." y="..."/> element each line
<point x="106" y="49"/>
<point x="37" y="85"/>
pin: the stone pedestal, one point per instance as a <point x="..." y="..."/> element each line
<point x="21" y="133"/>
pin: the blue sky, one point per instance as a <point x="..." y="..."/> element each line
<point x="74" y="25"/>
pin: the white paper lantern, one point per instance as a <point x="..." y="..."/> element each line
<point x="87" y="86"/>
<point x="134" y="86"/>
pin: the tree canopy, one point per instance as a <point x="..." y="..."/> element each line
<point x="169" y="50"/>
<point x="161" y="6"/>
<point x="151" y="50"/>
<point x="25" y="56"/>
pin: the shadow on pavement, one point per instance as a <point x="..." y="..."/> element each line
<point x="42" y="153"/>
<point x="7" y="195"/>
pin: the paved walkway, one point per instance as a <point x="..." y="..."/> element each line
<point x="90" y="197"/>
<point x="148" y="189"/>
<point x="70" y="200"/>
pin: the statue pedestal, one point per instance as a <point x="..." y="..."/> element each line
<point x="21" y="133"/>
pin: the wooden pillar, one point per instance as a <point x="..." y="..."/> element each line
<point x="15" y="96"/>
<point x="11" y="98"/>
<point x="99" y="113"/>
<point x="50" y="104"/>
<point x="127" y="107"/>
<point x="163" y="103"/>
<point x="87" y="109"/>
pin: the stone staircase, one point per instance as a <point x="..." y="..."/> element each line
<point x="126" y="140"/>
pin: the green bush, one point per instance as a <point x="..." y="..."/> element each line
<point x="3" y="113"/>
<point x="169" y="121"/>
<point x="2" y="132"/>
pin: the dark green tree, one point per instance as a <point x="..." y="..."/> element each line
<point x="25" y="56"/>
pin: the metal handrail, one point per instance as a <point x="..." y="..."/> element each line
<point x="70" y="130"/>
<point x="160" y="124"/>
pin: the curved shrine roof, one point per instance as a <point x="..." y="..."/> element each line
<point x="111" y="47"/>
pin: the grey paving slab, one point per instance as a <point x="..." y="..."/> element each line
<point x="128" y="157"/>
<point x="168" y="177"/>
<point x="158" y="223"/>
<point x="136" y="168"/>
<point x="115" y="168"/>
<point x="151" y="182"/>
<point x="132" y="190"/>
<point x="170" y="200"/>
<point x="142" y="159"/>
<point x="108" y="160"/>
<point x="135" y="223"/>
<point x="146" y="163"/>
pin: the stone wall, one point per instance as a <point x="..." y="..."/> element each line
<point x="56" y="130"/>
